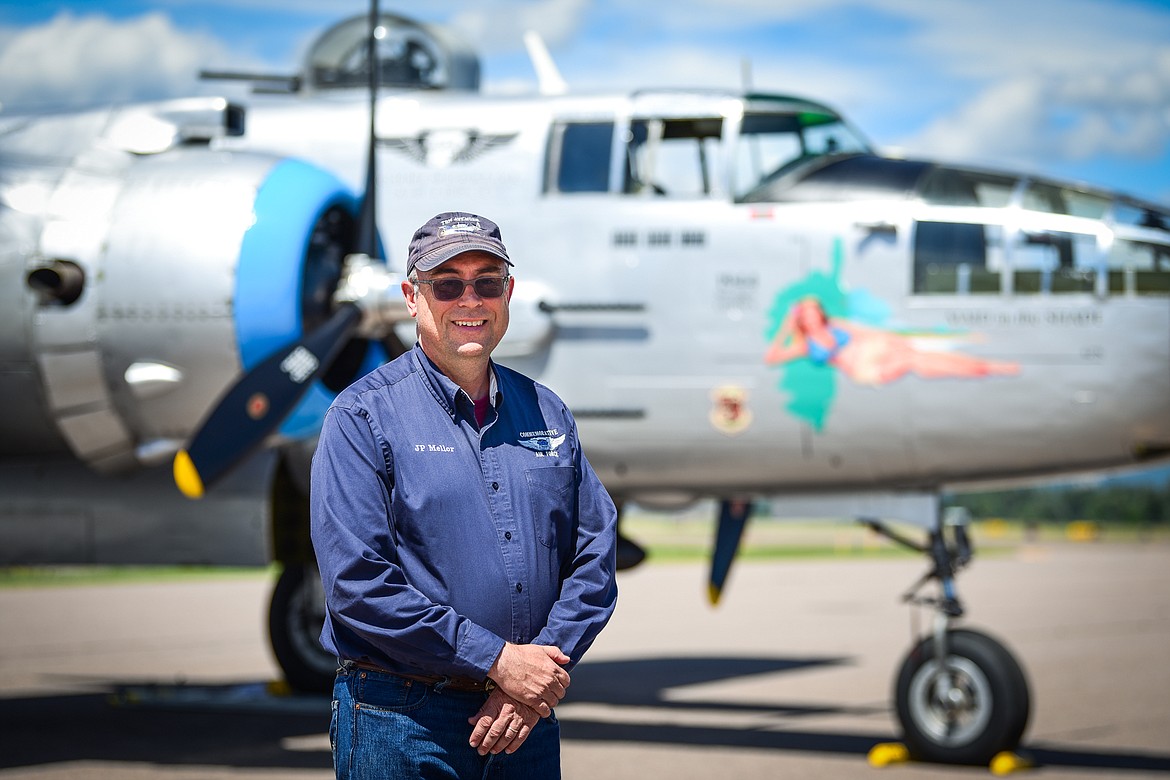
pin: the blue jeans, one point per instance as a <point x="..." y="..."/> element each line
<point x="386" y="727"/>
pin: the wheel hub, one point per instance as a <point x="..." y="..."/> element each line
<point x="951" y="702"/>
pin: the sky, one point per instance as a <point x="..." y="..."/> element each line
<point x="1078" y="90"/>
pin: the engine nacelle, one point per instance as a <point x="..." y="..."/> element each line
<point x="193" y="266"/>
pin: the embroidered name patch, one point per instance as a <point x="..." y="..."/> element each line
<point x="433" y="448"/>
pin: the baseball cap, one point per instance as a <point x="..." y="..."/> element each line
<point x="452" y="233"/>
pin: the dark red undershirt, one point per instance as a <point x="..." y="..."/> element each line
<point x="481" y="409"/>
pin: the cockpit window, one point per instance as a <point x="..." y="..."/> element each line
<point x="983" y="233"/>
<point x="579" y="157"/>
<point x="1138" y="257"/>
<point x="773" y="145"/>
<point x="954" y="187"/>
<point x="673" y="157"/>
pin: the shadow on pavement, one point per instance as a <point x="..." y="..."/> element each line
<point x="642" y="682"/>
<point x="246" y="726"/>
<point x="164" y="725"/>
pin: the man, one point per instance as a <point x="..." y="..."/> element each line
<point x="466" y="547"/>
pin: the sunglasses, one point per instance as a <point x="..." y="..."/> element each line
<point x="451" y="289"/>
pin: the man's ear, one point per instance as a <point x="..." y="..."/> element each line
<point x="408" y="292"/>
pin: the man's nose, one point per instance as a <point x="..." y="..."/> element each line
<point x="469" y="297"/>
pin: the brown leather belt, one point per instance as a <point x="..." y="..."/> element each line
<point x="452" y="683"/>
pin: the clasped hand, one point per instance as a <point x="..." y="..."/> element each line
<point x="529" y="683"/>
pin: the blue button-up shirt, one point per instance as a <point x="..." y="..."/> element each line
<point x="438" y="540"/>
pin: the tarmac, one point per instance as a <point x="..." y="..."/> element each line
<point x="790" y="676"/>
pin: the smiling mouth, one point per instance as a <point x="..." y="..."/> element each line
<point x="470" y="323"/>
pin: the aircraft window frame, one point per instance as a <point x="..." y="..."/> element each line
<point x="956" y="251"/>
<point x="573" y="144"/>
<point x="679" y="157"/>
<point x="1041" y="238"/>
<point x="1053" y="250"/>
<point x="771" y="144"/>
<point x="956" y="187"/>
<point x="1138" y="258"/>
<point x="956" y="257"/>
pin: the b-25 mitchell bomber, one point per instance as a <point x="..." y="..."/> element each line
<point x="735" y="294"/>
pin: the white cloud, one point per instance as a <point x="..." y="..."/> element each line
<point x="1009" y="83"/>
<point x="499" y="25"/>
<point x="86" y="60"/>
<point x="999" y="81"/>
<point x="1122" y="112"/>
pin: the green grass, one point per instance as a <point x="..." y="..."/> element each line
<point x="686" y="537"/>
<point x="690" y="537"/>
<point x="65" y="576"/>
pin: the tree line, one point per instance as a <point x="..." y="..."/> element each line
<point x="1142" y="504"/>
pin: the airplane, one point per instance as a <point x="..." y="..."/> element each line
<point x="737" y="296"/>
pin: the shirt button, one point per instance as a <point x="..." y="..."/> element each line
<point x="495" y="486"/>
<point x="519" y="588"/>
<point x="508" y="535"/>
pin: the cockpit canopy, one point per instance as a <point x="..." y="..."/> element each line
<point x="774" y="145"/>
<point x="410" y="56"/>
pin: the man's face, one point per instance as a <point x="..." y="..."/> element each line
<point x="467" y="327"/>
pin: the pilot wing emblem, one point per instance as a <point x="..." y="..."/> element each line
<point x="543" y="443"/>
<point x="444" y="147"/>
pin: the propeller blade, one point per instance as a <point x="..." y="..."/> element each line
<point x="367" y="231"/>
<point x="733" y="517"/>
<point x="258" y="402"/>
<point x="254" y="407"/>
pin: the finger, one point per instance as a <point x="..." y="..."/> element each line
<point x="515" y="744"/>
<point x="554" y="693"/>
<point x="480" y="731"/>
<point x="494" y="734"/>
<point x="509" y="736"/>
<point x="556" y="654"/>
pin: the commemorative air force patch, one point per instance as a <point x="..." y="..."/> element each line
<point x="541" y="441"/>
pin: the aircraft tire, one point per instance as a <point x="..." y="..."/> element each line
<point x="967" y="712"/>
<point x="295" y="617"/>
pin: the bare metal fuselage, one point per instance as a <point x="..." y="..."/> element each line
<point x="650" y="311"/>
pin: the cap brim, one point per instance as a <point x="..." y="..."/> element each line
<point x="442" y="255"/>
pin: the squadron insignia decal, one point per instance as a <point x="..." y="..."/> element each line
<point x="729" y="411"/>
<point x="444" y="147"/>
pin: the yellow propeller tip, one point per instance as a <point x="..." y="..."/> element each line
<point x="713" y="593"/>
<point x="187" y="476"/>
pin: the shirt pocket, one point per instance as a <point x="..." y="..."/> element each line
<point x="552" y="495"/>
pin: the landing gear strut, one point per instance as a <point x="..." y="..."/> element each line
<point x="960" y="696"/>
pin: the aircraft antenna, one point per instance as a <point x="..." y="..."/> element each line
<point x="548" y="77"/>
<point x="745" y="74"/>
<point x="367" y="224"/>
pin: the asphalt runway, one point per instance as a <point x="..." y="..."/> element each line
<point x="789" y="677"/>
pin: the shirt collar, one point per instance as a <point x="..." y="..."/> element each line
<point x="444" y="389"/>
